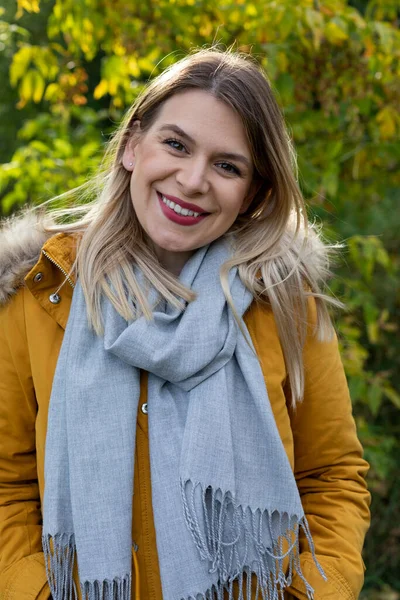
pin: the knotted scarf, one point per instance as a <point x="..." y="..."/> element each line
<point x="225" y="501"/>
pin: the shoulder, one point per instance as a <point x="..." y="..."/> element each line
<point x="259" y="319"/>
<point x="21" y="240"/>
<point x="263" y="331"/>
<point x="261" y="322"/>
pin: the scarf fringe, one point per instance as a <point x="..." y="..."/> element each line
<point x="248" y="531"/>
<point x="59" y="555"/>
<point x="243" y="592"/>
<point x="118" y="589"/>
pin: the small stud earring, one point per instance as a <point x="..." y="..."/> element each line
<point x="130" y="164"/>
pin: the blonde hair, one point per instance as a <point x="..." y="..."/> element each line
<point x="280" y="259"/>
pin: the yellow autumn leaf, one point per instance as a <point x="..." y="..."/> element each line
<point x="100" y="90"/>
<point x="206" y="29"/>
<point x="20" y="64"/>
<point x="133" y="67"/>
<point x="373" y="332"/>
<point x="251" y="10"/>
<point x="119" y="49"/>
<point x="335" y="34"/>
<point x="87" y="25"/>
<point x="32" y="86"/>
<point x="388" y="120"/>
<point x="282" y="61"/>
<point x="31" y="6"/>
<point x="113" y="86"/>
<point x="145" y="64"/>
<point x="25" y="89"/>
<point x="52" y="92"/>
<point x="235" y="17"/>
<point x="38" y="87"/>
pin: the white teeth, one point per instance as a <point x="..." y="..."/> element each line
<point x="178" y="209"/>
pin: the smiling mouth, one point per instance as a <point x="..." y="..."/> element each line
<point x="180" y="210"/>
<point x="181" y="215"/>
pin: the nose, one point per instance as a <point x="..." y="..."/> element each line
<point x="193" y="178"/>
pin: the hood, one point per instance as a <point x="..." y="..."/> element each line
<point x="21" y="240"/>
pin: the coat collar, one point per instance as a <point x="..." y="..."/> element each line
<point x="24" y="241"/>
<point x="60" y="249"/>
<point x="31" y="256"/>
<point x="51" y="281"/>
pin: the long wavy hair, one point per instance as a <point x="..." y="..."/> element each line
<point x="279" y="256"/>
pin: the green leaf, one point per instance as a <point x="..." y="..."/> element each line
<point x="357" y="389"/>
<point x="386" y="35"/>
<point x="63" y="147"/>
<point x="371" y="315"/>
<point x="285" y="86"/>
<point x="330" y="179"/>
<point x="287" y="23"/>
<point x="374" y="398"/>
<point x="392" y="395"/>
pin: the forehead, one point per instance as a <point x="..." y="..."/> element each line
<point x="205" y="118"/>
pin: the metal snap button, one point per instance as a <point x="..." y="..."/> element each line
<point x="144" y="408"/>
<point x="55" y="298"/>
<point x="38" y="277"/>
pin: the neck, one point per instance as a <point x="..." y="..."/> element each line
<point x="172" y="261"/>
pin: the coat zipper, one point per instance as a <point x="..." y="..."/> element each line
<point x="58" y="267"/>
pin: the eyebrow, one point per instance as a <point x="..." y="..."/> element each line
<point x="225" y="155"/>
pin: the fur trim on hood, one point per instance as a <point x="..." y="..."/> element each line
<point x="21" y="240"/>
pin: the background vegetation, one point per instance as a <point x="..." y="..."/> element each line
<point x="69" y="69"/>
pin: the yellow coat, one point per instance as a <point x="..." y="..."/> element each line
<point x="319" y="438"/>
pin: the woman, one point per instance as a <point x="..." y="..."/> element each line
<point x="198" y="369"/>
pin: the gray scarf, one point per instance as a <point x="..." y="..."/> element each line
<point x="224" y="496"/>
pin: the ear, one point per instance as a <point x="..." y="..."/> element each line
<point x="253" y="190"/>
<point x="128" y="157"/>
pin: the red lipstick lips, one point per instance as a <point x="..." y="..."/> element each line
<point x="183" y="204"/>
<point x="180" y="219"/>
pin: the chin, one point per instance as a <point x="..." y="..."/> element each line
<point x="173" y="246"/>
<point x="176" y="249"/>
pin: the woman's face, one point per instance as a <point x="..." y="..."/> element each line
<point x="191" y="175"/>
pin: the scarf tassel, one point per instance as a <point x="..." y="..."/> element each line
<point x="219" y="518"/>
<point x="59" y="554"/>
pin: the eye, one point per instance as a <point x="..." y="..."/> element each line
<point x="229" y="168"/>
<point x="175" y="144"/>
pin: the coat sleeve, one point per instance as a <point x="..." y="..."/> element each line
<point x="22" y="569"/>
<point x="330" y="473"/>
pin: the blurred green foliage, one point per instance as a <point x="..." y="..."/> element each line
<point x="71" y="67"/>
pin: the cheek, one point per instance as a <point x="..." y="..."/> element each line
<point x="152" y="162"/>
<point x="235" y="199"/>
